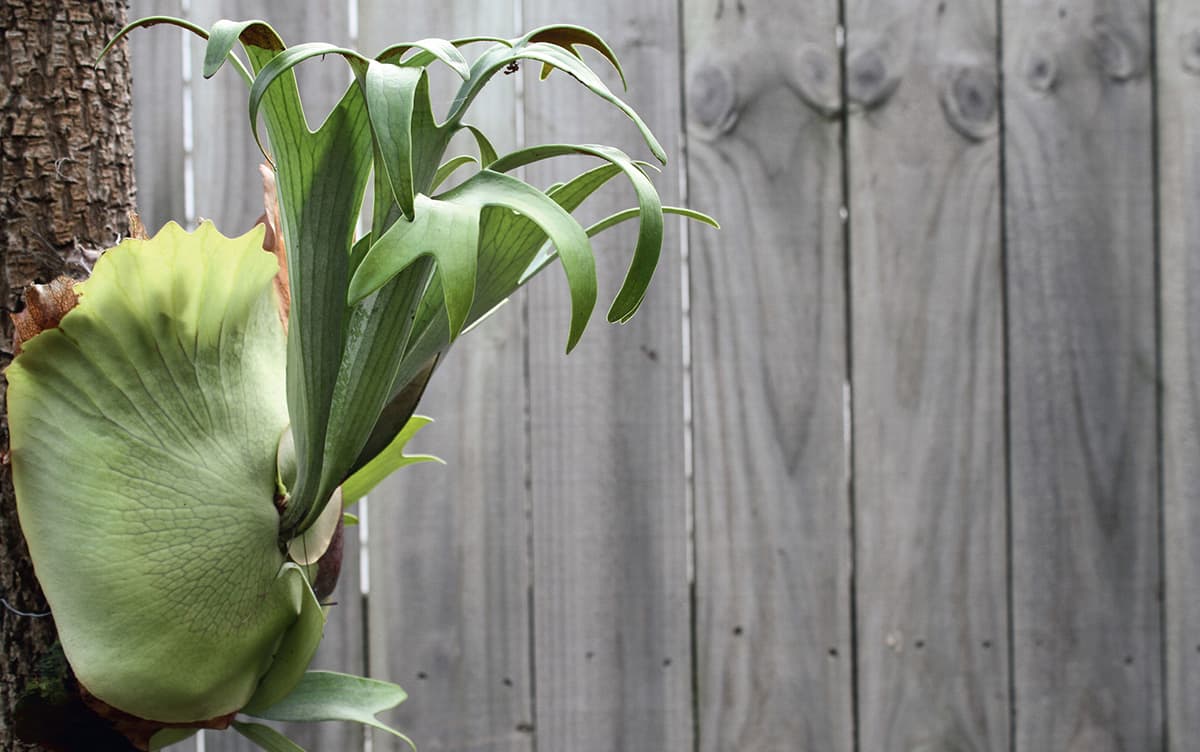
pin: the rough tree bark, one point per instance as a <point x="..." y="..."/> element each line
<point x="66" y="183"/>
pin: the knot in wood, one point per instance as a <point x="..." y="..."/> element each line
<point x="869" y="82"/>
<point x="712" y="98"/>
<point x="1117" y="48"/>
<point x="815" y="78"/>
<point x="1040" y="69"/>
<point x="1189" y="51"/>
<point x="969" y="101"/>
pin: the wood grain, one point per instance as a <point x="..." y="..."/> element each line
<point x="773" y="629"/>
<point x="450" y="570"/>
<point x="928" y="375"/>
<point x="157" y="65"/>
<point x="1082" y="375"/>
<point x="610" y="585"/>
<point x="1179" y="190"/>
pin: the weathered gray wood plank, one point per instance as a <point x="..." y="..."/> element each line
<point x="157" y="67"/>
<point x="610" y="586"/>
<point x="928" y="375"/>
<point x="1082" y="375"/>
<point x="449" y="559"/>
<point x="773" y="563"/>
<point x="1179" y="188"/>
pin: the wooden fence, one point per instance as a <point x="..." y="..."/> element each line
<point x="903" y="458"/>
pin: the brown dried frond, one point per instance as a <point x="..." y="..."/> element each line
<point x="273" y="241"/>
<point x="45" y="306"/>
<point x="137" y="230"/>
<point x="139" y="730"/>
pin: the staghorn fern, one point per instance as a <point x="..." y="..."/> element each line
<point x="215" y="438"/>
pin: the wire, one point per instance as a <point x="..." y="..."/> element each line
<point x="19" y="612"/>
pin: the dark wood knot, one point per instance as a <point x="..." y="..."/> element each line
<point x="869" y="82"/>
<point x="1040" y="69"/>
<point x="712" y="97"/>
<point x="815" y="78"/>
<point x="1189" y="51"/>
<point x="969" y="101"/>
<point x="1118" y="48"/>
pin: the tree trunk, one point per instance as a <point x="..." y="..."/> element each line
<point x="66" y="183"/>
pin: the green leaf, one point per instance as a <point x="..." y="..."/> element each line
<point x="444" y="230"/>
<point x="359" y="250"/>
<point x="184" y="24"/>
<point x="296" y="649"/>
<point x="567" y="36"/>
<point x="402" y="403"/>
<point x="448" y="169"/>
<point x="390" y="91"/>
<point x="328" y="696"/>
<point x="487" y="152"/>
<point x="278" y="69"/>
<point x="450" y="232"/>
<point x="511" y="242"/>
<point x="431" y="49"/>
<point x="163" y="393"/>
<point x="628" y="214"/>
<point x="225" y="34"/>
<point x="266" y="737"/>
<point x="321" y="178"/>
<point x="379" y="329"/>
<point x="312" y="544"/>
<point x="650" y="229"/>
<point x="387" y="462"/>
<point x="498" y="57"/>
<point x="168" y="736"/>
<point x="547" y="254"/>
<point x="574" y="251"/>
<point x="509" y="256"/>
<point x="349" y="519"/>
<point x="509" y="245"/>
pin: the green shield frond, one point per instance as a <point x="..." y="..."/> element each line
<point x="144" y="435"/>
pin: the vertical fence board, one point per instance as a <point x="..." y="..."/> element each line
<point x="774" y="650"/>
<point x="449" y="558"/>
<point x="157" y="67"/>
<point x="928" y="371"/>
<point x="1082" y="374"/>
<point x="1179" y="187"/>
<point x="229" y="191"/>
<point x="609" y="540"/>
